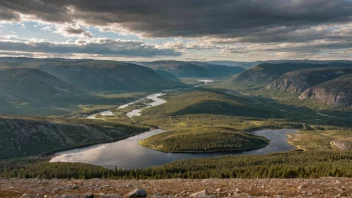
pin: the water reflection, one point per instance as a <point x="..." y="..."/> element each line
<point x="128" y="154"/>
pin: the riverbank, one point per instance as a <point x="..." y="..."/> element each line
<point x="322" y="187"/>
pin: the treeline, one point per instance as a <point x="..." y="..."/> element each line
<point x="295" y="164"/>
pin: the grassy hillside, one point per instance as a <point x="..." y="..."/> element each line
<point x="183" y="69"/>
<point x="207" y="102"/>
<point x="204" y="140"/>
<point x="25" y="137"/>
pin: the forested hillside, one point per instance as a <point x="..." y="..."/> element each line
<point x="26" y="137"/>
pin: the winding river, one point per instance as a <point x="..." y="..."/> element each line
<point x="128" y="153"/>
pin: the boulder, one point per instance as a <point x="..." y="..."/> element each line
<point x="138" y="192"/>
<point x="202" y="193"/>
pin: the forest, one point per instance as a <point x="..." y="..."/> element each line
<point x="296" y="164"/>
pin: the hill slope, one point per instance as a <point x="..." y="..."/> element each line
<point x="183" y="69"/>
<point x="300" y="80"/>
<point x="333" y="92"/>
<point x="22" y="88"/>
<point x="207" y="102"/>
<point x="323" y="81"/>
<point x="267" y="72"/>
<point x="97" y="75"/>
<point x="21" y="137"/>
<point x="118" y="77"/>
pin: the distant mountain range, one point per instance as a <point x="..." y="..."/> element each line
<point x="52" y="86"/>
<point x="248" y="65"/>
<point x="182" y="69"/>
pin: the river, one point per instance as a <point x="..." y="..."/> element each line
<point x="129" y="154"/>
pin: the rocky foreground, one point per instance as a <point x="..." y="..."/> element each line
<point x="324" y="187"/>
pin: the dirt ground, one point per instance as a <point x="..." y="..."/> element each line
<point x="323" y="187"/>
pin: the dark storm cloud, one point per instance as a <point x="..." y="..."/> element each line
<point x="100" y="47"/>
<point x="77" y="31"/>
<point x="7" y="14"/>
<point x="247" y="20"/>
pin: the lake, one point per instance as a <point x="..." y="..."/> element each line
<point x="129" y="154"/>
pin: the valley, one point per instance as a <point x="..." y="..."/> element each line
<point x="186" y="99"/>
<point x="252" y="124"/>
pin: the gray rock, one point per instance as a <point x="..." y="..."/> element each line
<point x="88" y="195"/>
<point x="138" y="192"/>
<point x="202" y="193"/>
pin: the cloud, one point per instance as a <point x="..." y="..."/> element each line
<point x="243" y="27"/>
<point x="189" y="18"/>
<point x="73" y="31"/>
<point x="99" y="46"/>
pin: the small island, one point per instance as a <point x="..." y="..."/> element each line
<point x="196" y="140"/>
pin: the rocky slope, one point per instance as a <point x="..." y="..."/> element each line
<point x="323" y="187"/>
<point x="333" y="92"/>
<point x="267" y="72"/>
<point x="20" y="137"/>
<point x="300" y="80"/>
<point x="329" y="83"/>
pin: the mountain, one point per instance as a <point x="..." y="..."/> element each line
<point x="255" y="63"/>
<point x="167" y="75"/>
<point x="24" y="137"/>
<point x="267" y="72"/>
<point x="337" y="91"/>
<point x="116" y="77"/>
<point x="236" y="63"/>
<point x="325" y="81"/>
<point x="97" y="75"/>
<point x="300" y="80"/>
<point x="28" y="88"/>
<point x="183" y="69"/>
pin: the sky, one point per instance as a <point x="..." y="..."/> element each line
<point x="194" y="30"/>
